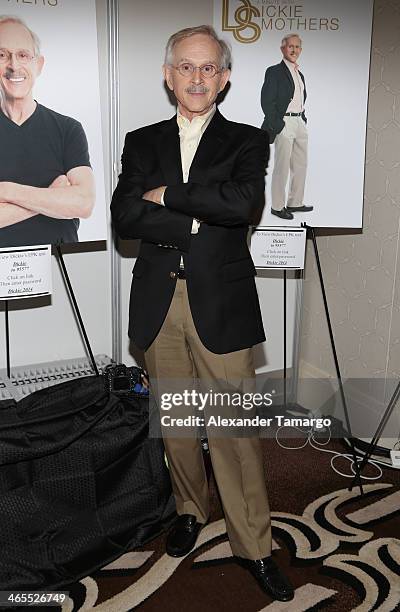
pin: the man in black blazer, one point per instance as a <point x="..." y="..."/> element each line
<point x="283" y="96"/>
<point x="188" y="189"/>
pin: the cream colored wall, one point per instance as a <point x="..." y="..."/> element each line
<point x="361" y="271"/>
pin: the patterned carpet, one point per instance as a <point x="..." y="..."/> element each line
<point x="340" y="550"/>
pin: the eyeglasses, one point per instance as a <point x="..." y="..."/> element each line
<point x="22" y="56"/>
<point x="208" y="70"/>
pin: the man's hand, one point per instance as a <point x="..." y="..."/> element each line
<point x="4" y="192"/>
<point x="60" y="181"/>
<point x="11" y="213"/>
<point x="154" y="195"/>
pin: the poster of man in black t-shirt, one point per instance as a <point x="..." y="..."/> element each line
<point x="46" y="181"/>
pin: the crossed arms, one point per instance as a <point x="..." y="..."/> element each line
<point x="137" y="212"/>
<point x="69" y="196"/>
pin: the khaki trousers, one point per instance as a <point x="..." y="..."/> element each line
<point x="178" y="353"/>
<point x="290" y="156"/>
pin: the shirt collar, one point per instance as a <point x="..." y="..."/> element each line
<point x="200" y="121"/>
<point x="291" y="65"/>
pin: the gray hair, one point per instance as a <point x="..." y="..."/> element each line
<point x="14" y="19"/>
<point x="286" y="38"/>
<point x="224" y="48"/>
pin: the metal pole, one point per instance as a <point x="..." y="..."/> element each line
<point x="284" y="339"/>
<point x="76" y="308"/>
<point x="335" y="358"/>
<point x="7" y="340"/>
<point x="114" y="125"/>
<point x="296" y="335"/>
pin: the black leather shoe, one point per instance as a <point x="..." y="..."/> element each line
<point x="294" y="209"/>
<point x="283" y="214"/>
<point x="270" y="578"/>
<point x="183" y="535"/>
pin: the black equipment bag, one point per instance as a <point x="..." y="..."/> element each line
<point x="80" y="483"/>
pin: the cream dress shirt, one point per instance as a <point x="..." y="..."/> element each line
<point x="190" y="133"/>
<point x="296" y="105"/>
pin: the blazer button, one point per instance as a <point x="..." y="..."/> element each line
<point x="172" y="274"/>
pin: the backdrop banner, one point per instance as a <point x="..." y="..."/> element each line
<point x="51" y="155"/>
<point x="318" y="151"/>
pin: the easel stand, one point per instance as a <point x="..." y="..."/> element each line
<point x="357" y="477"/>
<point x="7" y="340"/>
<point x="77" y="313"/>
<point x="284" y="339"/>
<point x="76" y="308"/>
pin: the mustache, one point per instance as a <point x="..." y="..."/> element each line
<point x="10" y="73"/>
<point x="197" y="89"/>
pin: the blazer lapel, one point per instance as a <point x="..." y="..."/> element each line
<point x="304" y="83"/>
<point x="288" y="75"/>
<point x="210" y="144"/>
<point x="169" y="153"/>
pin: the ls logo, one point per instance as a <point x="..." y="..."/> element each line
<point x="243" y="17"/>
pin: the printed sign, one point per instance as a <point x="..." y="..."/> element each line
<point x="272" y="247"/>
<point x="25" y="272"/>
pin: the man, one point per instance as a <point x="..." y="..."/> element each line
<point x="46" y="182"/>
<point x="188" y="188"/>
<point x="283" y="96"/>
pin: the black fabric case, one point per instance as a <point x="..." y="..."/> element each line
<point x="80" y="483"/>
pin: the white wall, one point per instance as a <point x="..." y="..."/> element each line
<point x="144" y="30"/>
<point x="45" y="329"/>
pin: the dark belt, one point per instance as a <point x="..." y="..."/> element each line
<point x="293" y="114"/>
<point x="180" y="274"/>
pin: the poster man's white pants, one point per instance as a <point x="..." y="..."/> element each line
<point x="290" y="156"/>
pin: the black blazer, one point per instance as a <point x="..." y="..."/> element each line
<point x="276" y="93"/>
<point x="224" y="190"/>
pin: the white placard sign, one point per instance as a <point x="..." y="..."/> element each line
<point x="272" y="247"/>
<point x="25" y="272"/>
